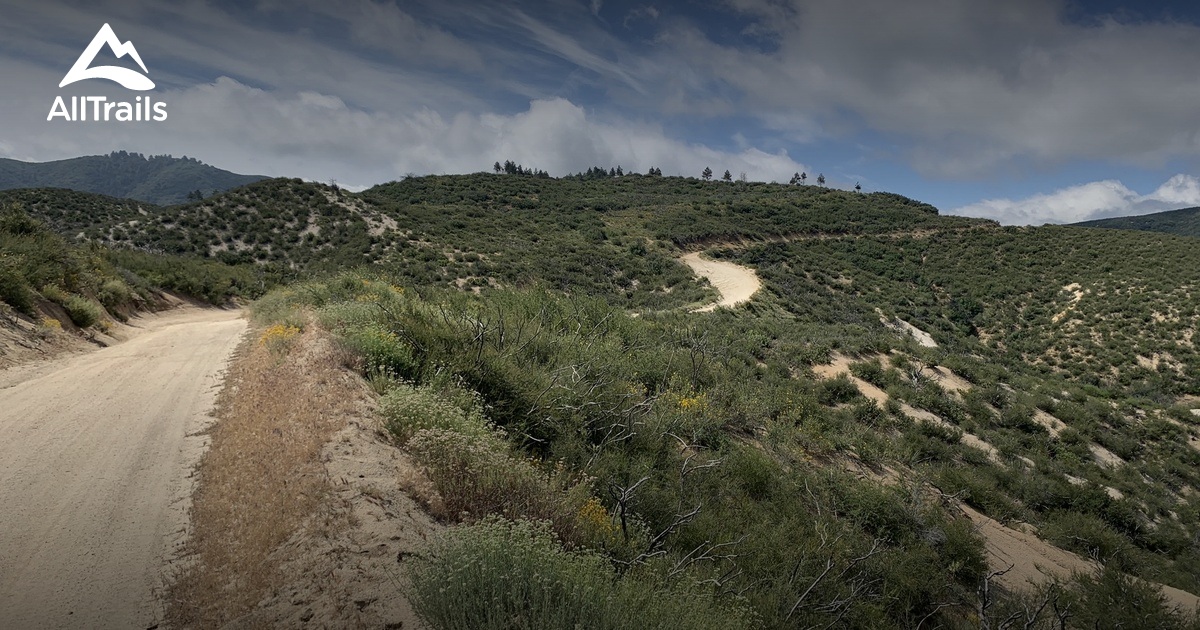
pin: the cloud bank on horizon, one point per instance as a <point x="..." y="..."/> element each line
<point x="979" y="108"/>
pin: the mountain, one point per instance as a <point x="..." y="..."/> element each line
<point x="1185" y="222"/>
<point x="158" y="179"/>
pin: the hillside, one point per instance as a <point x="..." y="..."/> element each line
<point x="54" y="292"/>
<point x="615" y="238"/>
<point x="158" y="179"/>
<point x="859" y="444"/>
<point x="1185" y="222"/>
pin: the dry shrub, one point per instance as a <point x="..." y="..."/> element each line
<point x="477" y="476"/>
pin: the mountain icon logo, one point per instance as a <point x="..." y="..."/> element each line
<point x="128" y="79"/>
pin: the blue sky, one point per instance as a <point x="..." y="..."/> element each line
<point x="1027" y="111"/>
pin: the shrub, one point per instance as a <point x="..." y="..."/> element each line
<point x="83" y="311"/>
<point x="383" y="352"/>
<point x="505" y="574"/>
<point x="868" y="413"/>
<point x="278" y="338"/>
<point x="1112" y="599"/>
<point x="14" y="290"/>
<point x="870" y="371"/>
<point x="475" y="476"/>
<point x="837" y="390"/>
<point x="1085" y="534"/>
<point x="407" y="410"/>
<point x="115" y="293"/>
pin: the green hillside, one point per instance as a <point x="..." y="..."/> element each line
<point x="535" y="347"/>
<point x="615" y="238"/>
<point x="42" y="275"/>
<point x="1185" y="222"/>
<point x="158" y="179"/>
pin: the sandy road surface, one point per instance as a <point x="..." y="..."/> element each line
<point x="735" y="283"/>
<point x="95" y="458"/>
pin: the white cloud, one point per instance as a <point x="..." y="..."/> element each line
<point x="319" y="136"/>
<point x="1096" y="200"/>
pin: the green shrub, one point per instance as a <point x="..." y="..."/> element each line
<point x="867" y="412"/>
<point x="837" y="390"/>
<point x="14" y="290"/>
<point x="501" y="574"/>
<point x="114" y="293"/>
<point x="407" y="410"/>
<point x="384" y="353"/>
<point x="83" y="311"/>
<point x="1112" y="599"/>
<point x="870" y="371"/>
<point x="1086" y="535"/>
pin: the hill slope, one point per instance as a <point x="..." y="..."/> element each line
<point x="615" y="238"/>
<point x="158" y="179"/>
<point x="1044" y="378"/>
<point x="1185" y="222"/>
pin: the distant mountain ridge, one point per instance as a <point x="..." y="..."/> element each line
<point x="158" y="179"/>
<point x="1185" y="222"/>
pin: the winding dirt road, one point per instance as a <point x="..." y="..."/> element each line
<point x="735" y="283"/>
<point x="96" y="453"/>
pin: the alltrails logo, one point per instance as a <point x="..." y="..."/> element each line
<point x="100" y="108"/>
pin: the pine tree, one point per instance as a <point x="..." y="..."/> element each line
<point x="707" y="174"/>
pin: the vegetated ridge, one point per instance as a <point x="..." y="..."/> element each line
<point x="158" y="179"/>
<point x="799" y="459"/>
<point x="1185" y="222"/>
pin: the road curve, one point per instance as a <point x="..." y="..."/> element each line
<point x="96" y="453"/>
<point x="735" y="283"/>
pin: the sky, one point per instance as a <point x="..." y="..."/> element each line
<point x="1023" y="111"/>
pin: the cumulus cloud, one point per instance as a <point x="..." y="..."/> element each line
<point x="1095" y="200"/>
<point x="319" y="136"/>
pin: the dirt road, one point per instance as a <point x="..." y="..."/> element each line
<point x="735" y="283"/>
<point x="96" y="452"/>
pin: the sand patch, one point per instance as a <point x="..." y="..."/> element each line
<point x="841" y="365"/>
<point x="904" y="328"/>
<point x="1076" y="294"/>
<point x="735" y="283"/>
<point x="1051" y="424"/>
<point x="1033" y="561"/>
<point x="947" y="379"/>
<point x="1105" y="457"/>
<point x="299" y="518"/>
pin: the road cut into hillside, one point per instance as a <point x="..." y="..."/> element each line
<point x="735" y="283"/>
<point x="96" y="454"/>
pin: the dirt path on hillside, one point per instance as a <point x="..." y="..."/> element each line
<point x="735" y="283"/>
<point x="96" y="453"/>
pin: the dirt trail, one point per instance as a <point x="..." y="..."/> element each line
<point x="735" y="283"/>
<point x="96" y="452"/>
